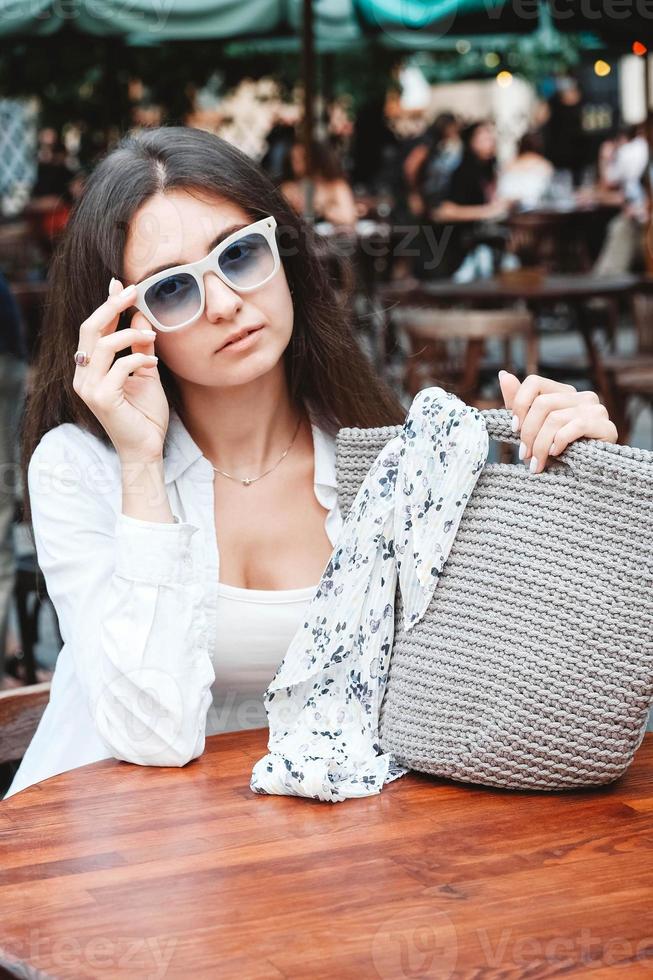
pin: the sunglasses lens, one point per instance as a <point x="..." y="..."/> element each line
<point x="247" y="261"/>
<point x="174" y="300"/>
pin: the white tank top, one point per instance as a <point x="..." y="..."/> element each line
<point x="255" y="627"/>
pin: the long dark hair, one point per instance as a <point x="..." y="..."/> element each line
<point x="324" y="363"/>
<point x="486" y="169"/>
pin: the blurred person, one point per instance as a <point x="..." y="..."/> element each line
<point x="53" y="174"/>
<point x="429" y="166"/>
<point x="333" y="199"/>
<point x="426" y="171"/>
<point x="51" y="199"/>
<point x="472" y="192"/>
<point x="623" y="161"/>
<point x="565" y="143"/>
<point x="13" y="372"/>
<point x="469" y="207"/>
<point x="374" y="148"/>
<point x="340" y="124"/>
<point x="527" y="179"/>
<point x="279" y="140"/>
<point x="623" y="167"/>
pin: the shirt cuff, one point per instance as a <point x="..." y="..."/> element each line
<point x="152" y="551"/>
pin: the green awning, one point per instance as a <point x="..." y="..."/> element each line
<point x="158" y="20"/>
<point x="421" y="14"/>
<point x="275" y="25"/>
<point x="337" y="22"/>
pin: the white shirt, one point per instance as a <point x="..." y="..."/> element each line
<point x="629" y="161"/>
<point x="527" y="184"/>
<point x="137" y="602"/>
<point x="255" y="627"/>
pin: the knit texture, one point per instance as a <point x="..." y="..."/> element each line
<point x="533" y="665"/>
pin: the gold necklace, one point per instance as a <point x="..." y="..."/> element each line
<point x="247" y="480"/>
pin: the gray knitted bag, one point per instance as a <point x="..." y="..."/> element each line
<point x="533" y="665"/>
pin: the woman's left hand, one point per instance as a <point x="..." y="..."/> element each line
<point x="551" y="414"/>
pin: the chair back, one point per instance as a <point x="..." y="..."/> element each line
<point x="643" y="317"/>
<point x="448" y="347"/>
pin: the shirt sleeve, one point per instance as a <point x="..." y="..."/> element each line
<point x="128" y="597"/>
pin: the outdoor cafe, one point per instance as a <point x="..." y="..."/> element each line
<point x="326" y="441"/>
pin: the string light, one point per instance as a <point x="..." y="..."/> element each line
<point x="492" y="59"/>
<point x="602" y="68"/>
<point x="639" y="49"/>
<point x="504" y="79"/>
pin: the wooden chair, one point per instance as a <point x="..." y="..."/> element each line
<point x="448" y="348"/>
<point x="30" y="593"/>
<point x="631" y="375"/>
<point x="548" y="239"/>
<point x="20" y="713"/>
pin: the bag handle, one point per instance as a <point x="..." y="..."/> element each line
<point x="584" y="457"/>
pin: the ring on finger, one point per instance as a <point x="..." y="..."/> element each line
<point x="82" y="358"/>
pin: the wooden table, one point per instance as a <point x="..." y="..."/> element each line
<point x="568" y="287"/>
<point x="565" y="239"/>
<point x="573" y="289"/>
<point x="114" y="870"/>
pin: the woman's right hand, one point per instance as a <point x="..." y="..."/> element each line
<point x="131" y="407"/>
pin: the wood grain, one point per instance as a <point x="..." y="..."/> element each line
<point x="20" y="712"/>
<point x="114" y="870"/>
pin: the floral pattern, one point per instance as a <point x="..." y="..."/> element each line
<point x="323" y="702"/>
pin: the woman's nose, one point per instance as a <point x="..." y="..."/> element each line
<point x="222" y="302"/>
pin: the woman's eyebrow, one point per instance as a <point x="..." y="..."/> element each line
<point x="216" y="241"/>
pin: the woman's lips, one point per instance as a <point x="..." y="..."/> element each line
<point x="243" y="342"/>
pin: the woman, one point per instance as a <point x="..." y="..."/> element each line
<point x="165" y="640"/>
<point x="430" y="164"/>
<point x="470" y="201"/>
<point x="427" y="172"/>
<point x="526" y="180"/>
<point x="333" y="199"/>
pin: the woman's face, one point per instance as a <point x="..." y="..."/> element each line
<point x="175" y="227"/>
<point x="483" y="142"/>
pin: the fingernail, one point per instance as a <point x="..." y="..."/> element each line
<point x="552" y="449"/>
<point x="149" y="333"/>
<point x="522" y="450"/>
<point x="515" y="423"/>
<point x="113" y="286"/>
<point x="533" y="465"/>
<point x="502" y="372"/>
<point x="152" y="357"/>
<point x="129" y="291"/>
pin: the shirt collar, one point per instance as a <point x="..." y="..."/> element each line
<point x="325" y="483"/>
<point x="181" y="451"/>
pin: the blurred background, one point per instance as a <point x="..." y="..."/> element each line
<point x="484" y="168"/>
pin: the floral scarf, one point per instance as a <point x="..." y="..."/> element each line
<point x="323" y="703"/>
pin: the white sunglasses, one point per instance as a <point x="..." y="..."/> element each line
<point x="245" y="260"/>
